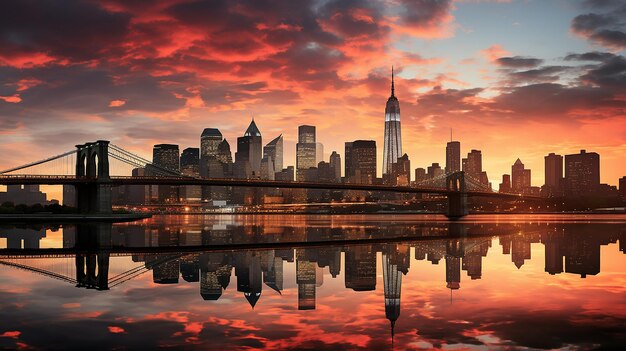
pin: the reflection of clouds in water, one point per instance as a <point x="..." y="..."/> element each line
<point x="505" y="306"/>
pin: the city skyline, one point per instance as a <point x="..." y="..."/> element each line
<point x="345" y="86"/>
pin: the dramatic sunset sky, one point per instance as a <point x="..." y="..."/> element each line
<point x="512" y="78"/>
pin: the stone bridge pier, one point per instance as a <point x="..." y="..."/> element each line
<point x="92" y="267"/>
<point x="92" y="163"/>
<point x="457" y="199"/>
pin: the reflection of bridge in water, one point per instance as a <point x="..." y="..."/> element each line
<point x="103" y="256"/>
<point x="88" y="169"/>
<point x="91" y="246"/>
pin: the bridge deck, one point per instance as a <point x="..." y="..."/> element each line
<point x="254" y="183"/>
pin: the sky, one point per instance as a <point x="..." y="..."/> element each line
<point x="510" y="78"/>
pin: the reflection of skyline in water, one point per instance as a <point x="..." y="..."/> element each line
<point x="568" y="248"/>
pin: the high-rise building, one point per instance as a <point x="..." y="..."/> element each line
<point x="286" y="174"/>
<point x="553" y="174"/>
<point x="582" y="173"/>
<point x="209" y="142"/>
<point x="401" y="171"/>
<point x="223" y="152"/>
<point x="392" y="149"/>
<point x="249" y="152"/>
<point x="473" y="165"/>
<point x="434" y="170"/>
<point x="361" y="161"/>
<point x="306" y="151"/>
<point x="335" y="164"/>
<point x="325" y="173"/>
<point x="319" y="152"/>
<point x="166" y="156"/>
<point x="190" y="166"/>
<point x="520" y="177"/>
<point x="420" y="175"/>
<point x="190" y="161"/>
<point x="453" y="157"/>
<point x="505" y="186"/>
<point x="274" y="150"/>
<point x="622" y="186"/>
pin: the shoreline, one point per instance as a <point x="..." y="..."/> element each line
<point x="49" y="217"/>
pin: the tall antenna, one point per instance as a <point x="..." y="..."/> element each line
<point x="392" y="85"/>
<point x="450" y="134"/>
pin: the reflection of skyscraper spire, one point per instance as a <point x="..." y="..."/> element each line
<point x="392" y="286"/>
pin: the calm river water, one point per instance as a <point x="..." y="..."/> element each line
<point x="316" y="282"/>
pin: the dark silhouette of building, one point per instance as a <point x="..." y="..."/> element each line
<point x="582" y="173"/>
<point x="29" y="195"/>
<point x="335" y="164"/>
<point x="361" y="161"/>
<point x="249" y="153"/>
<point x="622" y="187"/>
<point x="520" y="177"/>
<point x="166" y="156"/>
<point x="401" y="171"/>
<point x="434" y="171"/>
<point x="392" y="149"/>
<point x="420" y="175"/>
<point x="553" y="175"/>
<point x="453" y="157"/>
<point x="505" y="186"/>
<point x="473" y="164"/>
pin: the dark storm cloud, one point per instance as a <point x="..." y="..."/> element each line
<point x="80" y="88"/>
<point x="424" y="13"/>
<point x="518" y="62"/>
<point x="75" y="30"/>
<point x="610" y="74"/>
<point x="538" y="75"/>
<point x="607" y="29"/>
<point x="590" y="56"/>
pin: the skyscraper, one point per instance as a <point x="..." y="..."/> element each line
<point x="274" y="150"/>
<point x="553" y="174"/>
<point x="474" y="164"/>
<point x="166" y="156"/>
<point x="361" y="161"/>
<point x="453" y="157"/>
<point x="582" y="173"/>
<point x="505" y="186"/>
<point x="402" y="171"/>
<point x="210" y="139"/>
<point x="190" y="166"/>
<point x="520" y="177"/>
<point x="335" y="164"/>
<point x="249" y="152"/>
<point x="393" y="134"/>
<point x="306" y="151"/>
<point x="189" y="161"/>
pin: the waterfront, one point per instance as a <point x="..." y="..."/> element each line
<point x="316" y="282"/>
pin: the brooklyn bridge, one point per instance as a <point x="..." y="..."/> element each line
<point x="94" y="167"/>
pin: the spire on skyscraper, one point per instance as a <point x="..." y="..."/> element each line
<point x="392" y="85"/>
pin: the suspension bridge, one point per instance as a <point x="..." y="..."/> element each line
<point x="93" y="168"/>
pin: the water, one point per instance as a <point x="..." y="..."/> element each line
<point x="316" y="282"/>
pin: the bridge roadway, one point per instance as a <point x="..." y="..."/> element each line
<point x="254" y="183"/>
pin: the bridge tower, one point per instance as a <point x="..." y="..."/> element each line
<point x="92" y="165"/>
<point x="457" y="198"/>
